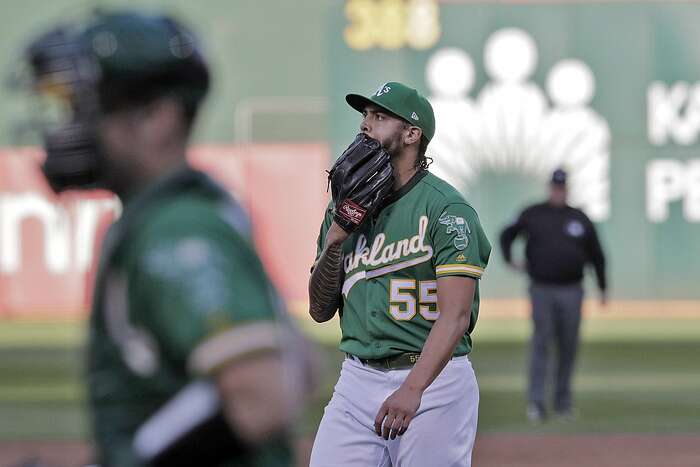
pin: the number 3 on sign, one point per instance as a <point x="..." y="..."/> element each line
<point x="402" y="302"/>
<point x="392" y="24"/>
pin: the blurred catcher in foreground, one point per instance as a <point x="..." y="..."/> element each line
<point x="192" y="359"/>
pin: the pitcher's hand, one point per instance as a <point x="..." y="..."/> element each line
<point x="396" y="412"/>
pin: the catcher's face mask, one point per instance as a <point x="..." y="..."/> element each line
<point x="79" y="74"/>
<point x="63" y="76"/>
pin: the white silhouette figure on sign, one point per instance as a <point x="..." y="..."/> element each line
<point x="511" y="127"/>
<point x="511" y="108"/>
<point x="575" y="136"/>
<point x="450" y="77"/>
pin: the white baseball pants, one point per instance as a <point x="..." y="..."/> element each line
<point x="440" y="435"/>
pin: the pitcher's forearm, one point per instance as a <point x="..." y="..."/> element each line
<point x="324" y="286"/>
<point x="455" y="298"/>
<point x="438" y="349"/>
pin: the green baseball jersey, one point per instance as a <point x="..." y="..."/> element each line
<point x="180" y="292"/>
<point x="389" y="293"/>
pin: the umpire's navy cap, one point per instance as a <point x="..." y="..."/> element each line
<point x="559" y="177"/>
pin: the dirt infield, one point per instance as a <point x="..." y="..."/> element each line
<point x="507" y="450"/>
<point x="501" y="450"/>
<point x="53" y="453"/>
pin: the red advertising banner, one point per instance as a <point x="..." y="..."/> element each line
<point x="49" y="244"/>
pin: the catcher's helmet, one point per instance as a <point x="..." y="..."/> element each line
<point x="114" y="61"/>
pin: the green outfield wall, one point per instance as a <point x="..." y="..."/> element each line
<point x="611" y="91"/>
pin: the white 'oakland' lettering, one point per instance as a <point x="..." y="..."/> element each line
<point x="379" y="253"/>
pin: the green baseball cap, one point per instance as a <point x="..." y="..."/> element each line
<point x="143" y="53"/>
<point x="400" y="100"/>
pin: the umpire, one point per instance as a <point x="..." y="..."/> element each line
<point x="560" y="240"/>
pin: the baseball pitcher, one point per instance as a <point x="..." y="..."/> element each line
<point x="400" y="255"/>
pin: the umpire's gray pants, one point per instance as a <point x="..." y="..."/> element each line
<point x="556" y="316"/>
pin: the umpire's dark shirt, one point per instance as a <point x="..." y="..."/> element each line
<point x="560" y="241"/>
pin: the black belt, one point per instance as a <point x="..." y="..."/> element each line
<point x="395" y="362"/>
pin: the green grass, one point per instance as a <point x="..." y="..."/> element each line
<point x="41" y="391"/>
<point x="634" y="376"/>
<point x="41" y="334"/>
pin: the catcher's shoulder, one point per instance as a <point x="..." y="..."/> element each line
<point x="189" y="215"/>
<point x="443" y="192"/>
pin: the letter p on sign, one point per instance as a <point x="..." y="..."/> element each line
<point x="671" y="180"/>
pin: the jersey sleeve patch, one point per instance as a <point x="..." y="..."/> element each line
<point x="460" y="244"/>
<point x="458" y="227"/>
<point x="232" y="344"/>
<point x="194" y="281"/>
<point x="196" y="268"/>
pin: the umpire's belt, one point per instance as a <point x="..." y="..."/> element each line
<point x="395" y="362"/>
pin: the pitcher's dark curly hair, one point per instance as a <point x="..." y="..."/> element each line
<point x="423" y="161"/>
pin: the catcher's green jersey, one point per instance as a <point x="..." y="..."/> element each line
<point x="180" y="292"/>
<point x="391" y="264"/>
